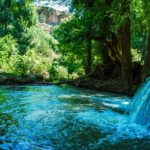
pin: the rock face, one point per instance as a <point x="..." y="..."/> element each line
<point x="51" y="16"/>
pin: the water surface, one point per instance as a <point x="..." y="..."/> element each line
<point x="66" y="118"/>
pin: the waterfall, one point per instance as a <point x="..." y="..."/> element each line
<point x="140" y="106"/>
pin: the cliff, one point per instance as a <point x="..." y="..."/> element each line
<point x="51" y="16"/>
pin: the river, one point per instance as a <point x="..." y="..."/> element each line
<point x="67" y="118"/>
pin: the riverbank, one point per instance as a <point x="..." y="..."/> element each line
<point x="109" y="79"/>
<point x="15" y="79"/>
<point x="112" y="86"/>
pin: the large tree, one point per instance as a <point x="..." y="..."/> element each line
<point x="126" y="44"/>
<point x="118" y="26"/>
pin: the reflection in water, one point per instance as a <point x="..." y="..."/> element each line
<point x="51" y="117"/>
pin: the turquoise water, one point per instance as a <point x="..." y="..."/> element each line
<point x="66" y="118"/>
<point x="140" y="107"/>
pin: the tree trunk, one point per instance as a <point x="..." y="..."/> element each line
<point x="146" y="68"/>
<point x="88" y="68"/>
<point x="126" y="46"/>
<point x="105" y="33"/>
<point x="104" y="54"/>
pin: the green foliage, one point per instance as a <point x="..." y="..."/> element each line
<point x="25" y="17"/>
<point x="32" y="63"/>
<point x="6" y="15"/>
<point x="39" y="58"/>
<point x="26" y="49"/>
<point x="8" y="51"/>
<point x="43" y="42"/>
<point x="58" y="72"/>
<point x="136" y="55"/>
<point x="71" y="44"/>
<point x="72" y="32"/>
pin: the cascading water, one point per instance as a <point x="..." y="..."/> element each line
<point x="140" y="106"/>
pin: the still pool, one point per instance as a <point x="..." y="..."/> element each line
<point x="66" y="118"/>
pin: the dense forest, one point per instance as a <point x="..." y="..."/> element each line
<point x="101" y="44"/>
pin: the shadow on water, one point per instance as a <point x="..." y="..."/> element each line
<point x="51" y="117"/>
